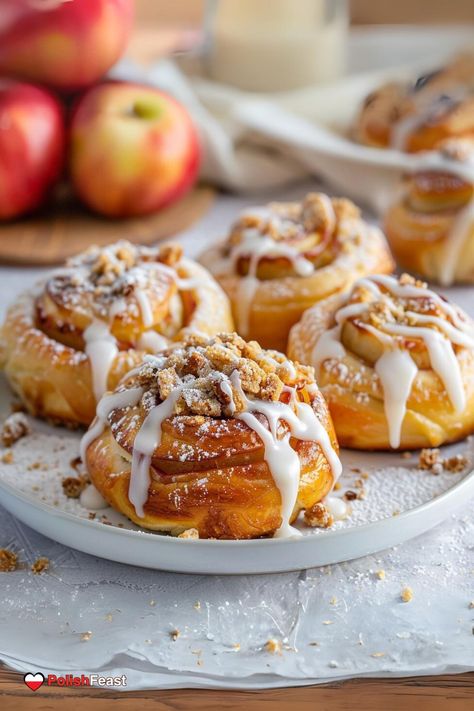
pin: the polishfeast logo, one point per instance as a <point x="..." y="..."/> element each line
<point x="35" y="681"/>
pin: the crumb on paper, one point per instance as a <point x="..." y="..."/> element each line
<point x="274" y="646"/>
<point x="197" y="605"/>
<point x="471" y="605"/>
<point x="152" y="603"/>
<point x="328" y="622"/>
<point x="406" y="594"/>
<point x="86" y="636"/>
<point x="192" y="533"/>
<point x="40" y="565"/>
<point x="376" y="655"/>
<point x="236" y="647"/>
<point x="407" y="455"/>
<point x="333" y="601"/>
<point x="318" y="516"/>
<point x="455" y="464"/>
<point x="8" y="561"/>
<point x="73" y="486"/>
<point x="108" y="617"/>
<point x="430" y="460"/>
<point x="7" y="457"/>
<point x="174" y="634"/>
<point x="333" y="664"/>
<point x="350" y="495"/>
<point x="14" y="428"/>
<point x="380" y="574"/>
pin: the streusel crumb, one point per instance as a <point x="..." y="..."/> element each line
<point x="318" y="516"/>
<point x="73" y="486"/>
<point x="14" y="428"/>
<point x="274" y="646"/>
<point x="40" y="565"/>
<point x="192" y="533"/>
<point x="430" y="459"/>
<point x="8" y="561"/>
<point x="406" y="594"/>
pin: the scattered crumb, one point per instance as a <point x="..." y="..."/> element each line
<point x="430" y="459"/>
<point x="189" y="533"/>
<point x="76" y="464"/>
<point x="7" y="457"/>
<point x="378" y="654"/>
<point x="86" y="636"/>
<point x="350" y="495"/>
<point x="14" y="428"/>
<point x="471" y="605"/>
<point x="8" y="561"/>
<point x="73" y="486"/>
<point x="274" y="646"/>
<point x="406" y="594"/>
<point x="313" y="644"/>
<point x="318" y="516"/>
<point x="380" y="574"/>
<point x="152" y="603"/>
<point x="333" y="601"/>
<point x="337" y="486"/>
<point x="108" y="617"/>
<point x="40" y="565"/>
<point x="333" y="664"/>
<point x="174" y="634"/>
<point x="407" y="455"/>
<point x="328" y="622"/>
<point x="396" y="512"/>
<point x="236" y="647"/>
<point x="455" y="464"/>
<point x="91" y="515"/>
<point x="197" y="605"/>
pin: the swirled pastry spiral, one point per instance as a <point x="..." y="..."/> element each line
<point x="217" y="435"/>
<point x="395" y="362"/>
<point x="419" y="116"/>
<point x="64" y="344"/>
<point x="280" y="259"/>
<point x="430" y="227"/>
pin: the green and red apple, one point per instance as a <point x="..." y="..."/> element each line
<point x="133" y="150"/>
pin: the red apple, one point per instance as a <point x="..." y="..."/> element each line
<point x="32" y="142"/>
<point x="133" y="149"/>
<point x="67" y="44"/>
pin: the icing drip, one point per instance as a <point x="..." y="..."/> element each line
<point x="113" y="401"/>
<point x="455" y="242"/>
<point x="395" y="368"/>
<point x="101" y="349"/>
<point x="282" y="460"/>
<point x="145" y="307"/>
<point x="152" y="341"/>
<point x="147" y="440"/>
<point x="92" y="499"/>
<point x="336" y="506"/>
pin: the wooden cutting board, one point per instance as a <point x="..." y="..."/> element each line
<point x="66" y="228"/>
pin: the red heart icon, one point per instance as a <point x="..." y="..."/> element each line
<point x="33" y="681"/>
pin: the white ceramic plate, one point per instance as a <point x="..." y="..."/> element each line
<point x="314" y="126"/>
<point x="393" y="486"/>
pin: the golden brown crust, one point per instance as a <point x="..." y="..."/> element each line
<point x="42" y="339"/>
<point x="419" y="116"/>
<point x="422" y="227"/>
<point x="352" y="387"/>
<point x="298" y="253"/>
<point x="209" y="472"/>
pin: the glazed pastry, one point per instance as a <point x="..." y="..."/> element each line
<point x="394" y="361"/>
<point x="418" y="116"/>
<point x="280" y="259"/>
<point x="218" y="436"/>
<point x="71" y="339"/>
<point x="430" y="227"/>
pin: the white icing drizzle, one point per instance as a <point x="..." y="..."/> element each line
<point x="152" y="341"/>
<point x="395" y="368"/>
<point x="145" y="307"/>
<point x="92" y="499"/>
<point x="460" y="230"/>
<point x="337" y="507"/>
<point x="112" y="401"/>
<point x="147" y="440"/>
<point x="282" y="460"/>
<point x="101" y="349"/>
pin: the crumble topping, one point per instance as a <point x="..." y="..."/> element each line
<point x="201" y="370"/>
<point x="274" y="646"/>
<point x="294" y="222"/>
<point x="73" y="486"/>
<point x="8" y="561"/>
<point x="192" y="533"/>
<point x="406" y="594"/>
<point x="106" y="274"/>
<point x="432" y="461"/>
<point x="14" y="428"/>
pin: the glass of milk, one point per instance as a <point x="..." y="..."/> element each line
<point x="275" y="45"/>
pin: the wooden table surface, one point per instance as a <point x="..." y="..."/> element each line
<point x="440" y="693"/>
